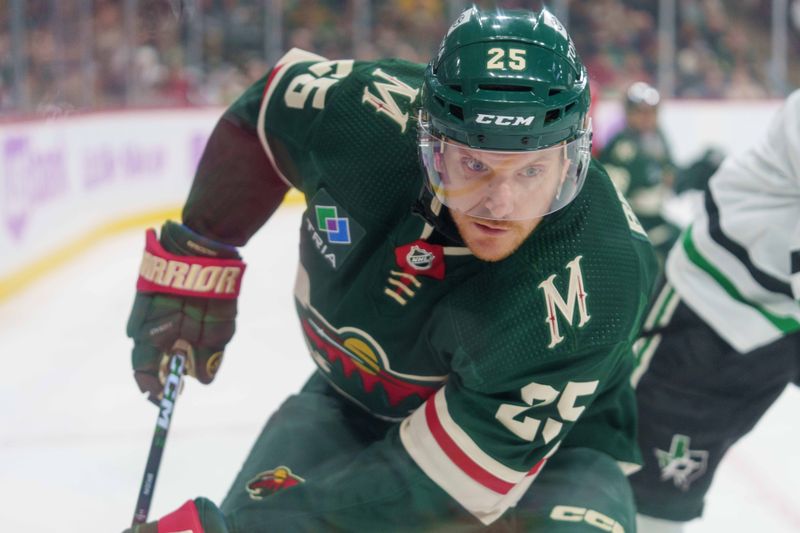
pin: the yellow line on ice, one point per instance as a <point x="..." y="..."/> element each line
<point x="25" y="275"/>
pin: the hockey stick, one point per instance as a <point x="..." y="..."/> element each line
<point x="172" y="386"/>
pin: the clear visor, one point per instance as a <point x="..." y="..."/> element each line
<point x="504" y="185"/>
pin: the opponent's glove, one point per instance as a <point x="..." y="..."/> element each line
<point x="187" y="290"/>
<point x="188" y="518"/>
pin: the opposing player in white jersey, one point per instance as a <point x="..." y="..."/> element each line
<point x="721" y="341"/>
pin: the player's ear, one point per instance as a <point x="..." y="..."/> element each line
<point x="438" y="163"/>
<point x="566" y="166"/>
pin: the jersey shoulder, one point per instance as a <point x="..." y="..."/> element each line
<point x="307" y="86"/>
<point x="348" y="127"/>
<point x="617" y="262"/>
<point x="772" y="162"/>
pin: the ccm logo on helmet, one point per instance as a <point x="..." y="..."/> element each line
<point x="504" y="120"/>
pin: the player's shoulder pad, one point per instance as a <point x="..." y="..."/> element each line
<point x="337" y="110"/>
<point x="297" y="55"/>
<point x="784" y="135"/>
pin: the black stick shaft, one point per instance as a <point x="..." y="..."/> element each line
<point x="177" y="363"/>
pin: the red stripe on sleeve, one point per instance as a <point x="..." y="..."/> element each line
<point x="269" y="80"/>
<point x="537" y="467"/>
<point x="462" y="460"/>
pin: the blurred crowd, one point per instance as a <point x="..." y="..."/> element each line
<point x="78" y="54"/>
<point x="722" y="49"/>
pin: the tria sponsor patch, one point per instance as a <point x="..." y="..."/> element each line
<point x="271" y="481"/>
<point x="332" y="231"/>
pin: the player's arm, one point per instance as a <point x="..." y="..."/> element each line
<point x="236" y="189"/>
<point x="238" y="184"/>
<point x="777" y="157"/>
<point x="191" y="273"/>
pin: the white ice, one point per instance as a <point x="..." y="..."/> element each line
<point x="76" y="433"/>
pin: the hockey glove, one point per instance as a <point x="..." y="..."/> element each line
<point x="187" y="289"/>
<point x="194" y="516"/>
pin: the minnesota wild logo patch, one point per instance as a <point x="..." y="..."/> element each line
<point x="271" y="481"/>
<point x="332" y="230"/>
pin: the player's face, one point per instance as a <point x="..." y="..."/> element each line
<point x="643" y="118"/>
<point x="501" y="186"/>
<point x="492" y="240"/>
<point x="488" y="191"/>
<point x="498" y="197"/>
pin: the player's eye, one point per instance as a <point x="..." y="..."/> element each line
<point x="531" y="171"/>
<point x="474" y="165"/>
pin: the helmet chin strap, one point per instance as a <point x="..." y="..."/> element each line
<point x="441" y="222"/>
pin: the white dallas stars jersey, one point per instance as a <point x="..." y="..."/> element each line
<point x="738" y="264"/>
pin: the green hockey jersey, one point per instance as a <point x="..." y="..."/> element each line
<point x="641" y="166"/>
<point x="487" y="367"/>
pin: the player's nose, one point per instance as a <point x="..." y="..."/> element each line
<point x="500" y="199"/>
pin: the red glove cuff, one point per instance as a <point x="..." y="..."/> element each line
<point x="188" y="275"/>
<point x="184" y="520"/>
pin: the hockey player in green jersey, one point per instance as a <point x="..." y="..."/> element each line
<point x="722" y="340"/>
<point x="470" y="285"/>
<point x="639" y="161"/>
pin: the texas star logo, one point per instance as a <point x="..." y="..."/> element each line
<point x="681" y="464"/>
<point x="271" y="481"/>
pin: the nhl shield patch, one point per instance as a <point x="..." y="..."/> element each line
<point x="332" y="230"/>
<point x="421" y="258"/>
<point x="271" y="481"/>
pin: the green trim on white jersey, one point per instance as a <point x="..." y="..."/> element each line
<point x="734" y="266"/>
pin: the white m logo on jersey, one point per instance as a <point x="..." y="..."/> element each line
<point x="385" y="103"/>
<point x="576" y="294"/>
